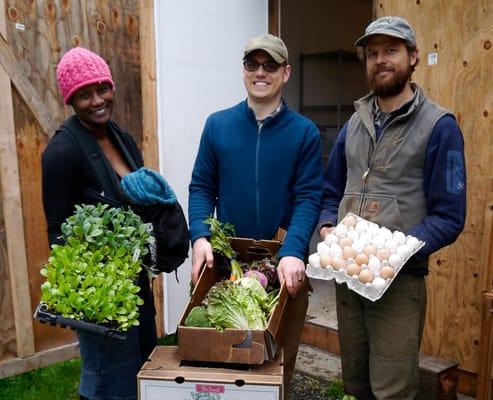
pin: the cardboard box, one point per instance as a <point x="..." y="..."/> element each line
<point x="232" y="345"/>
<point x="165" y="376"/>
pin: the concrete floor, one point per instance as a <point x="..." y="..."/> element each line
<point x="322" y="306"/>
<point x="321" y="311"/>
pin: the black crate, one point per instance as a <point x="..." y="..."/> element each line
<point x="43" y="315"/>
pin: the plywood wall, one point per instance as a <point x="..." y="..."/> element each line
<point x="38" y="33"/>
<point x="461" y="33"/>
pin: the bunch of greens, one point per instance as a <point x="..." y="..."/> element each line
<point x="198" y="317"/>
<point x="242" y="304"/>
<point x="220" y="234"/>
<point x="92" y="276"/>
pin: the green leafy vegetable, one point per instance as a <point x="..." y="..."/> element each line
<point x="241" y="304"/>
<point x="220" y="234"/>
<point x="198" y="317"/>
<point x="92" y="276"/>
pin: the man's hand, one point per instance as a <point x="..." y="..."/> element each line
<point x="325" y="230"/>
<point x="201" y="254"/>
<point x="291" y="270"/>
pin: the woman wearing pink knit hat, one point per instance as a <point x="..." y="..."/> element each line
<point x="109" y="365"/>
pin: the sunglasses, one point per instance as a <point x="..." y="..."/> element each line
<point x="269" y="66"/>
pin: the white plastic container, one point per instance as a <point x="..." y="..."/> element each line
<point x="398" y="257"/>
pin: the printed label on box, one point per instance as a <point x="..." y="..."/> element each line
<point x="199" y="388"/>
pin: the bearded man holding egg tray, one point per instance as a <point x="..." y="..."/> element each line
<point x="398" y="162"/>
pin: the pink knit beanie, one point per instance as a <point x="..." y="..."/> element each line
<point x="80" y="67"/>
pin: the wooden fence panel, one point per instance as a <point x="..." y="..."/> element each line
<point x="8" y="343"/>
<point x="33" y="37"/>
<point x="461" y="34"/>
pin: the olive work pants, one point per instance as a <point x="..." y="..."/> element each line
<point x="380" y="340"/>
<point x="291" y="328"/>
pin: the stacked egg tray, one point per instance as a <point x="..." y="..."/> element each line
<point x="363" y="255"/>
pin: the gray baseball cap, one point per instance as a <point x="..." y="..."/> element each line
<point x="392" y="26"/>
<point x="271" y="44"/>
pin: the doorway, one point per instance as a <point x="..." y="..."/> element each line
<point x="326" y="78"/>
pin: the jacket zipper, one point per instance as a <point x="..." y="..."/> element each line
<point x="364" y="177"/>
<point x="257" y="174"/>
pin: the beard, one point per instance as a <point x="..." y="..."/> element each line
<point x="390" y="87"/>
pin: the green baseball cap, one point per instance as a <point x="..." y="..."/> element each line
<point x="391" y="26"/>
<point x="271" y="44"/>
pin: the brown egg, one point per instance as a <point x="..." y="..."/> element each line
<point x="365" y="276"/>
<point x="349" y="221"/>
<point x="361" y="259"/>
<point x="338" y="263"/>
<point x="353" y="269"/>
<point x="348" y="252"/>
<point x="325" y="260"/>
<point x="370" y="250"/>
<point x="387" y="272"/>
<point x="383" y="254"/>
<point x="345" y="241"/>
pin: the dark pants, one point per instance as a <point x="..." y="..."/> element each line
<point x="110" y="366"/>
<point x="291" y="328"/>
<point x="380" y="340"/>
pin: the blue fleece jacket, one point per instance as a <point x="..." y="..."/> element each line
<point x="443" y="181"/>
<point x="258" y="177"/>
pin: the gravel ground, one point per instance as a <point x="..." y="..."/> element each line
<point x="304" y="387"/>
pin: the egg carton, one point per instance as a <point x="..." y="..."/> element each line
<point x="363" y="255"/>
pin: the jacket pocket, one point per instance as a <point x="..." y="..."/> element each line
<point x="382" y="209"/>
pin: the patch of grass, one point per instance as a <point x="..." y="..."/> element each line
<point x="335" y="391"/>
<point x="56" y="382"/>
<point x="169" y="340"/>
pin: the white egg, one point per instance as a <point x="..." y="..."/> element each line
<point x="373" y="229"/>
<point x="354" y="235"/>
<point x="399" y="237"/>
<point x="331" y="238"/>
<point x="378" y="241"/>
<point x="412" y="242"/>
<point x="314" y="260"/>
<point x="361" y="226"/>
<point x="390" y="245"/>
<point x="395" y="260"/>
<point x="387" y="234"/>
<point x="374" y="264"/>
<point x="378" y="283"/>
<point x="322" y="248"/>
<point x="340" y="230"/>
<point x="358" y="245"/>
<point x="404" y="251"/>
<point x="335" y="250"/>
<point x="365" y="237"/>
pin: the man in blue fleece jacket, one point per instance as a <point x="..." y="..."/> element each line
<point x="259" y="168"/>
<point x="399" y="162"/>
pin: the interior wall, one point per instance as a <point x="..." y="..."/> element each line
<point x="193" y="84"/>
<point x="315" y="26"/>
<point x="320" y="26"/>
